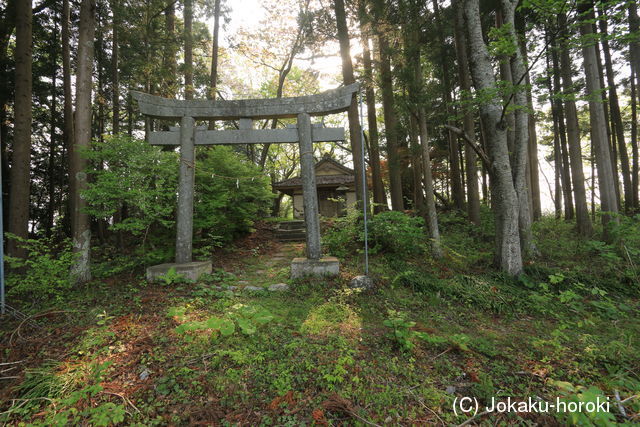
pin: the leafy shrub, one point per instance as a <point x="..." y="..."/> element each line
<point x="45" y="273"/>
<point x="136" y="175"/>
<point x="389" y="232"/>
<point x="230" y="193"/>
<point x="397" y="233"/>
<point x="343" y="236"/>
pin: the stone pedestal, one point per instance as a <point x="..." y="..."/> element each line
<point x="322" y="267"/>
<point x="188" y="270"/>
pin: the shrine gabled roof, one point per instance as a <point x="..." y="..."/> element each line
<point x="346" y="178"/>
<point x="321" y="181"/>
<point x="328" y="159"/>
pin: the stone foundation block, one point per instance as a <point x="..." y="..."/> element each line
<point x="325" y="266"/>
<point x="188" y="270"/>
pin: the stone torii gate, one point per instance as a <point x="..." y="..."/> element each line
<point x="246" y="111"/>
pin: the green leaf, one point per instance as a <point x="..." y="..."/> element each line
<point x="214" y="323"/>
<point x="247" y="327"/>
<point x="227" y="327"/>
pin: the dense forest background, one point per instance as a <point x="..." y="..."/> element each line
<point x="467" y="104"/>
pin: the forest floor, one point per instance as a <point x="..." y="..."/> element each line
<point x="176" y="353"/>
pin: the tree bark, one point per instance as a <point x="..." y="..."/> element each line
<point x="521" y="137"/>
<point x="634" y="145"/>
<point x="616" y="117"/>
<point x="80" y="220"/>
<point x="213" y="81"/>
<point x="391" y="124"/>
<point x="533" y="150"/>
<point x="19" y="190"/>
<point x="213" y="78"/>
<point x="355" y="131"/>
<point x="379" y="194"/>
<point x="51" y="171"/>
<point x="565" y="165"/>
<point x="583" y="222"/>
<point x="553" y="84"/>
<point x="115" y="76"/>
<point x="188" y="49"/>
<point x="468" y="125"/>
<point x="431" y="216"/>
<point x="457" y="189"/>
<point x="606" y="182"/>
<point x="504" y="197"/>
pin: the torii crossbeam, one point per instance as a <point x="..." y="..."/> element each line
<point x="246" y="111"/>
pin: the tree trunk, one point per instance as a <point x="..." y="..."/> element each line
<point x="20" y="165"/>
<point x="80" y="219"/>
<point x="468" y="125"/>
<point x="553" y="84"/>
<point x="355" y="131"/>
<point x="634" y="145"/>
<point x="583" y="221"/>
<point x="379" y="194"/>
<point x="606" y="182"/>
<point x="533" y="152"/>
<point x="188" y="49"/>
<point x="521" y="137"/>
<point x="431" y="216"/>
<point x="456" y="183"/>
<point x="634" y="42"/>
<point x="213" y="79"/>
<point x="7" y="25"/>
<point x="507" y="78"/>
<point x="565" y="165"/>
<point x="616" y="117"/>
<point x="115" y="76"/>
<point x="391" y="124"/>
<point x="504" y="197"/>
<point x="51" y="172"/>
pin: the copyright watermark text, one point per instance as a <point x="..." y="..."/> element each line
<point x="470" y="406"/>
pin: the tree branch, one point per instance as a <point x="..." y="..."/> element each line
<point x="479" y="151"/>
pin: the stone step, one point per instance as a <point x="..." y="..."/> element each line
<point x="291" y="236"/>
<point x="287" y="232"/>
<point x="291" y="225"/>
<point x="291" y="239"/>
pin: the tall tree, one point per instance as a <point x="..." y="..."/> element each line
<point x="169" y="82"/>
<point x="67" y="128"/>
<point x="21" y="158"/>
<point x="188" y="49"/>
<point x="355" y="134"/>
<point x="427" y="177"/>
<point x="504" y="196"/>
<point x="635" y="170"/>
<point x="521" y="137"/>
<point x="115" y="72"/>
<point x="457" y="189"/>
<point x="379" y="194"/>
<point x="571" y="116"/>
<point x="79" y="218"/>
<point x="616" y="117"/>
<point x="606" y="182"/>
<point x="468" y="125"/>
<point x="390" y="123"/>
<point x="583" y="221"/>
<point x="213" y="80"/>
